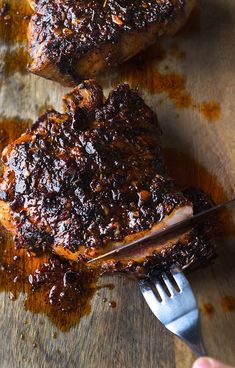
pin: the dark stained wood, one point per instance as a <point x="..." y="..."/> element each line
<point x="129" y="335"/>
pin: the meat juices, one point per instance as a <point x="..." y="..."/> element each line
<point x="83" y="182"/>
<point x="73" y="40"/>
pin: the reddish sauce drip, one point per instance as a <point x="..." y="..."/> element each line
<point x="60" y="289"/>
<point x="11" y="128"/>
<point x="208" y="309"/>
<point x="65" y="290"/>
<point x="211" y="110"/>
<point x="228" y="303"/>
<point x="15" y="61"/>
<point x="143" y="71"/>
<point x="14" y="18"/>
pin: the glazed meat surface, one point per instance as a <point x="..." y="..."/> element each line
<point x="73" y="40"/>
<point x="83" y="182"/>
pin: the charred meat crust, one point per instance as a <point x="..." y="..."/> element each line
<point x="199" y="248"/>
<point x="61" y="33"/>
<point x="90" y="176"/>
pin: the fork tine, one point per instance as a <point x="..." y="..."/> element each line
<point x="149" y="296"/>
<point x="170" y="287"/>
<point x="158" y="285"/>
<point x="179" y="277"/>
<point x="161" y="291"/>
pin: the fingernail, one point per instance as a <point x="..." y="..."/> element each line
<point x="204" y="363"/>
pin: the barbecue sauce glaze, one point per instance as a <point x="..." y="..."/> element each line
<point x="42" y="278"/>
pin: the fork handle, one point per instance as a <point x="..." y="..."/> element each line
<point x="193" y="338"/>
<point x="198" y="348"/>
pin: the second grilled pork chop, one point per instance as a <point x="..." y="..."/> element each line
<point x="71" y="40"/>
<point x="82" y="182"/>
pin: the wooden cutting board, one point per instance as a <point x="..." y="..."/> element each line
<point x="190" y="81"/>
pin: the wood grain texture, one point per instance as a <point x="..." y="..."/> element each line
<point x="129" y="335"/>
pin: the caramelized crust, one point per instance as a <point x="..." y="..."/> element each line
<point x="82" y="182"/>
<point x="70" y="40"/>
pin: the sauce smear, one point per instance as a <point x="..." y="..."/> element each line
<point x="228" y="303"/>
<point x="208" y="309"/>
<point x="60" y="289"/>
<point x="14" y="61"/>
<point x="142" y="71"/>
<point x="14" y="19"/>
<point x="211" y="110"/>
<point x="57" y="288"/>
<point x="146" y="71"/>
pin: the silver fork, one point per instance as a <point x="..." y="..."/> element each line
<point x="171" y="299"/>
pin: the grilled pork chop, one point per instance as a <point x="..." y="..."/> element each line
<point x="83" y="182"/>
<point x="72" y="40"/>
